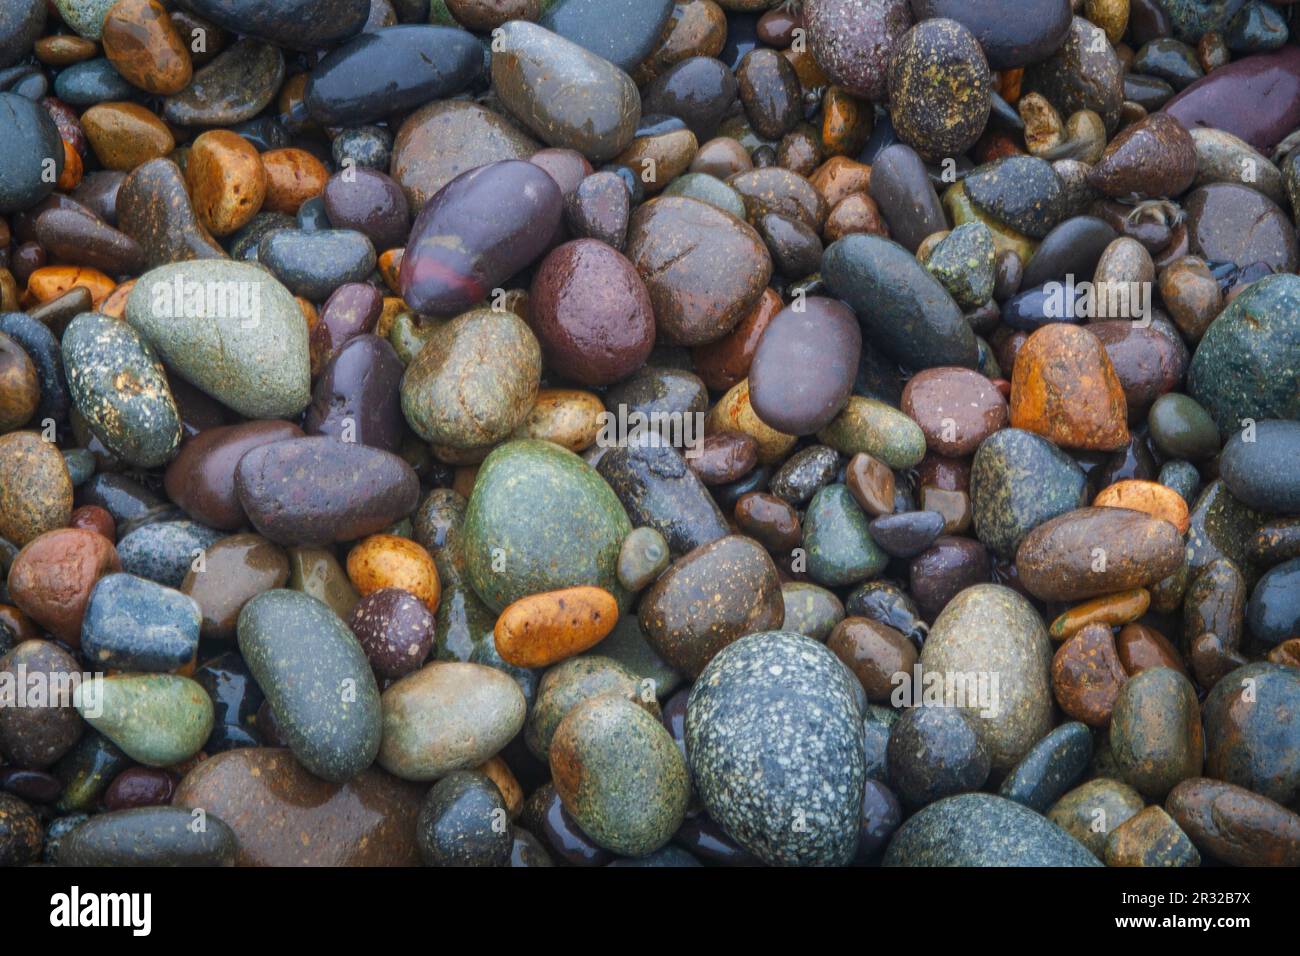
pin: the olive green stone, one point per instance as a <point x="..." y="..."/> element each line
<point x="963" y="264"/>
<point x="1247" y="362"/>
<point x="150" y="836"/>
<point x="1091" y="811"/>
<point x="251" y="355"/>
<point x="620" y="775"/>
<point x="1018" y="481"/>
<point x="120" y="388"/>
<point x="1181" y="428"/>
<point x="541" y="519"/>
<point x="839" y="546"/>
<point x="474" y="380"/>
<point x="317" y="681"/>
<point x="880" y="430"/>
<point x="157" y="719"/>
<point x="86" y="17"/>
<point x="1155" y="732"/>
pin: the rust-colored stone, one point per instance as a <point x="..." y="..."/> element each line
<point x="1065" y="389"/>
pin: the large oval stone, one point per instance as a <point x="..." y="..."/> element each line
<point x="777" y="699"/>
<point x="804" y="366"/>
<point x="541" y="519"/>
<point x="1269" y="82"/>
<point x="987" y="633"/>
<point x="1035" y="32"/>
<point x="297" y="24"/>
<point x="1252" y="730"/>
<point x="284" y="816"/>
<point x="659" y="490"/>
<point x="1155" y="732"/>
<point x="231" y="329"/>
<point x="317" y="490"/>
<point x="201" y="479"/>
<point x="316" y="679"/>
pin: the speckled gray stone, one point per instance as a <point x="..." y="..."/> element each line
<point x="779" y="700"/>
<point x="316" y="678"/>
<point x="979" y="829"/>
<point x="165" y="550"/>
<point x="149" y="836"/>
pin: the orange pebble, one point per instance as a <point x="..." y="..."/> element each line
<point x="387" y="561"/>
<point x="292" y="177"/>
<point x="499" y="773"/>
<point x="1149" y="497"/>
<point x="541" y="629"/>
<point x="73" y="169"/>
<point x="96" y="519"/>
<point x="1110" y="610"/>
<point x="309" y="312"/>
<point x="47" y="284"/>
<point x="115" y="303"/>
<point x="463" y="480"/>
<point x="390" y="263"/>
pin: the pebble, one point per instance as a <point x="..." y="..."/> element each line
<point x="903" y="308"/>
<point x="1227" y="222"/>
<point x="51" y="578"/>
<point x="839" y="545"/>
<point x="1020" y="480"/>
<point x="758" y="698"/>
<point x="1050" y="768"/>
<point x="1234" y="825"/>
<point x="1150" y="838"/>
<point x="354" y="490"/>
<point x="699" y="90"/>
<point x="132" y="624"/>
<point x="1093" y="810"/>
<point x="32" y="138"/>
<point x="658" y="489"/>
<point x="853" y="41"/>
<point x="251" y="356"/>
<point x="459" y="823"/>
<point x="1248" y="354"/>
<point x="1250" y="730"/>
<point x="620" y="775"/>
<point x="141" y="41"/>
<point x="624" y="32"/>
<point x="1087" y="674"/>
<point x="35" y="488"/>
<point x="591" y="313"/>
<point x="1083" y="74"/>
<point x="369" y="202"/>
<point x="234" y="571"/>
<point x="934" y="752"/>
<point x="120" y="388"/>
<point x="1155" y="732"/>
<point x="149" y="836"/>
<point x="1252" y="466"/>
<point x="1269" y="82"/>
<point x="393" y="70"/>
<point x="688" y="616"/>
<point x="988" y="627"/>
<point x="36" y="737"/>
<point x="282" y="815"/>
<point x="1064" y="388"/>
<point x="156" y="719"/>
<point x="538" y="76"/>
<point x="447" y="716"/>
<point x="21" y="832"/>
<point x="869" y="426"/>
<point x="980" y="829"/>
<point x="704" y="269"/>
<point x="542" y="629"/>
<point x="325" y="699"/>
